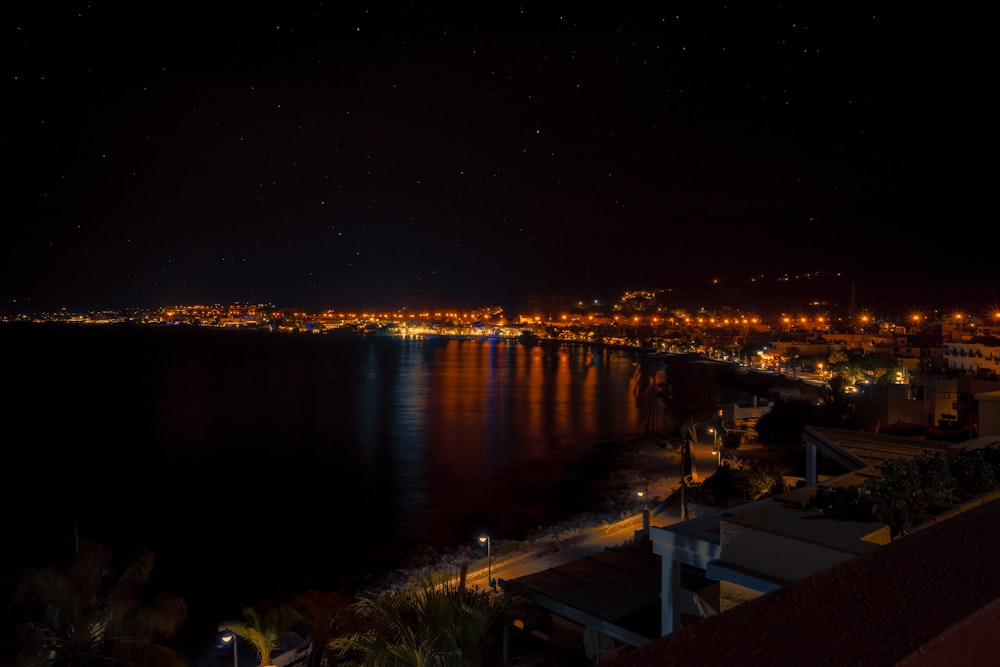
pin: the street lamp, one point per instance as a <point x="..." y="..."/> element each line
<point x="644" y="495"/>
<point x="231" y="637"/>
<point x="716" y="449"/>
<point x="485" y="539"/>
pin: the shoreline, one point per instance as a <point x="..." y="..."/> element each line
<point x="640" y="462"/>
<point x="643" y="464"/>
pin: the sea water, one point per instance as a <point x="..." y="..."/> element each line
<point x="254" y="464"/>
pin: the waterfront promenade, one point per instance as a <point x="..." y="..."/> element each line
<point x="590" y="541"/>
<point x="593" y="539"/>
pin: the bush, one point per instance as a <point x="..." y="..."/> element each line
<point x="741" y="482"/>
<point x="908" y="488"/>
<point x="973" y="472"/>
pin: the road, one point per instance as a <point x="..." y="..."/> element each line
<point x="592" y="541"/>
<point x="705" y="461"/>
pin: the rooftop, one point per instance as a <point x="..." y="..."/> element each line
<point x="922" y="595"/>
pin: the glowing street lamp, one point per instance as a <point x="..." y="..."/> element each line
<point x="644" y="496"/>
<point x="716" y="449"/>
<point x="231" y="637"/>
<point x="485" y="539"/>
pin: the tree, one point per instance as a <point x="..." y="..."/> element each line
<point x="689" y="394"/>
<point x="92" y="613"/>
<point x="322" y="614"/>
<point x="647" y="395"/>
<point x="263" y="631"/>
<point x="837" y="357"/>
<point x="880" y="367"/>
<point x="782" y="425"/>
<point x="973" y="472"/>
<point x="857" y="366"/>
<point x="718" y="488"/>
<point x="907" y="487"/>
<point x="431" y="624"/>
<point x="793" y="359"/>
<point x="837" y="405"/>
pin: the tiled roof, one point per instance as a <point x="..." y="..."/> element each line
<point x="616" y="591"/>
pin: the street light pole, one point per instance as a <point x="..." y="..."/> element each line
<point x="485" y="539"/>
<point x="685" y="461"/>
<point x="716" y="446"/>
<point x="644" y="494"/>
<point x="231" y="637"/>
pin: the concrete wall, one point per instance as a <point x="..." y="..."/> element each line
<point x="989" y="413"/>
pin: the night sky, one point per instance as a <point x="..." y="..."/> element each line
<point x="348" y="155"/>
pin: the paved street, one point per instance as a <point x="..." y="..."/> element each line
<point x="704" y="461"/>
<point x="593" y="541"/>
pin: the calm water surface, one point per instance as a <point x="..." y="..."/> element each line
<point x="254" y="463"/>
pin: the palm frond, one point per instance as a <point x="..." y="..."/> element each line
<point x="437" y="623"/>
<point x="91" y="612"/>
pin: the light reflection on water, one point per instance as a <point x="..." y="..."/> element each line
<point x="491" y="410"/>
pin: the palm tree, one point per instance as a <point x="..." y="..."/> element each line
<point x="688" y="394"/>
<point x="321" y="613"/>
<point x="647" y="393"/>
<point x="432" y="624"/>
<point x="263" y="631"/>
<point x="92" y="614"/>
